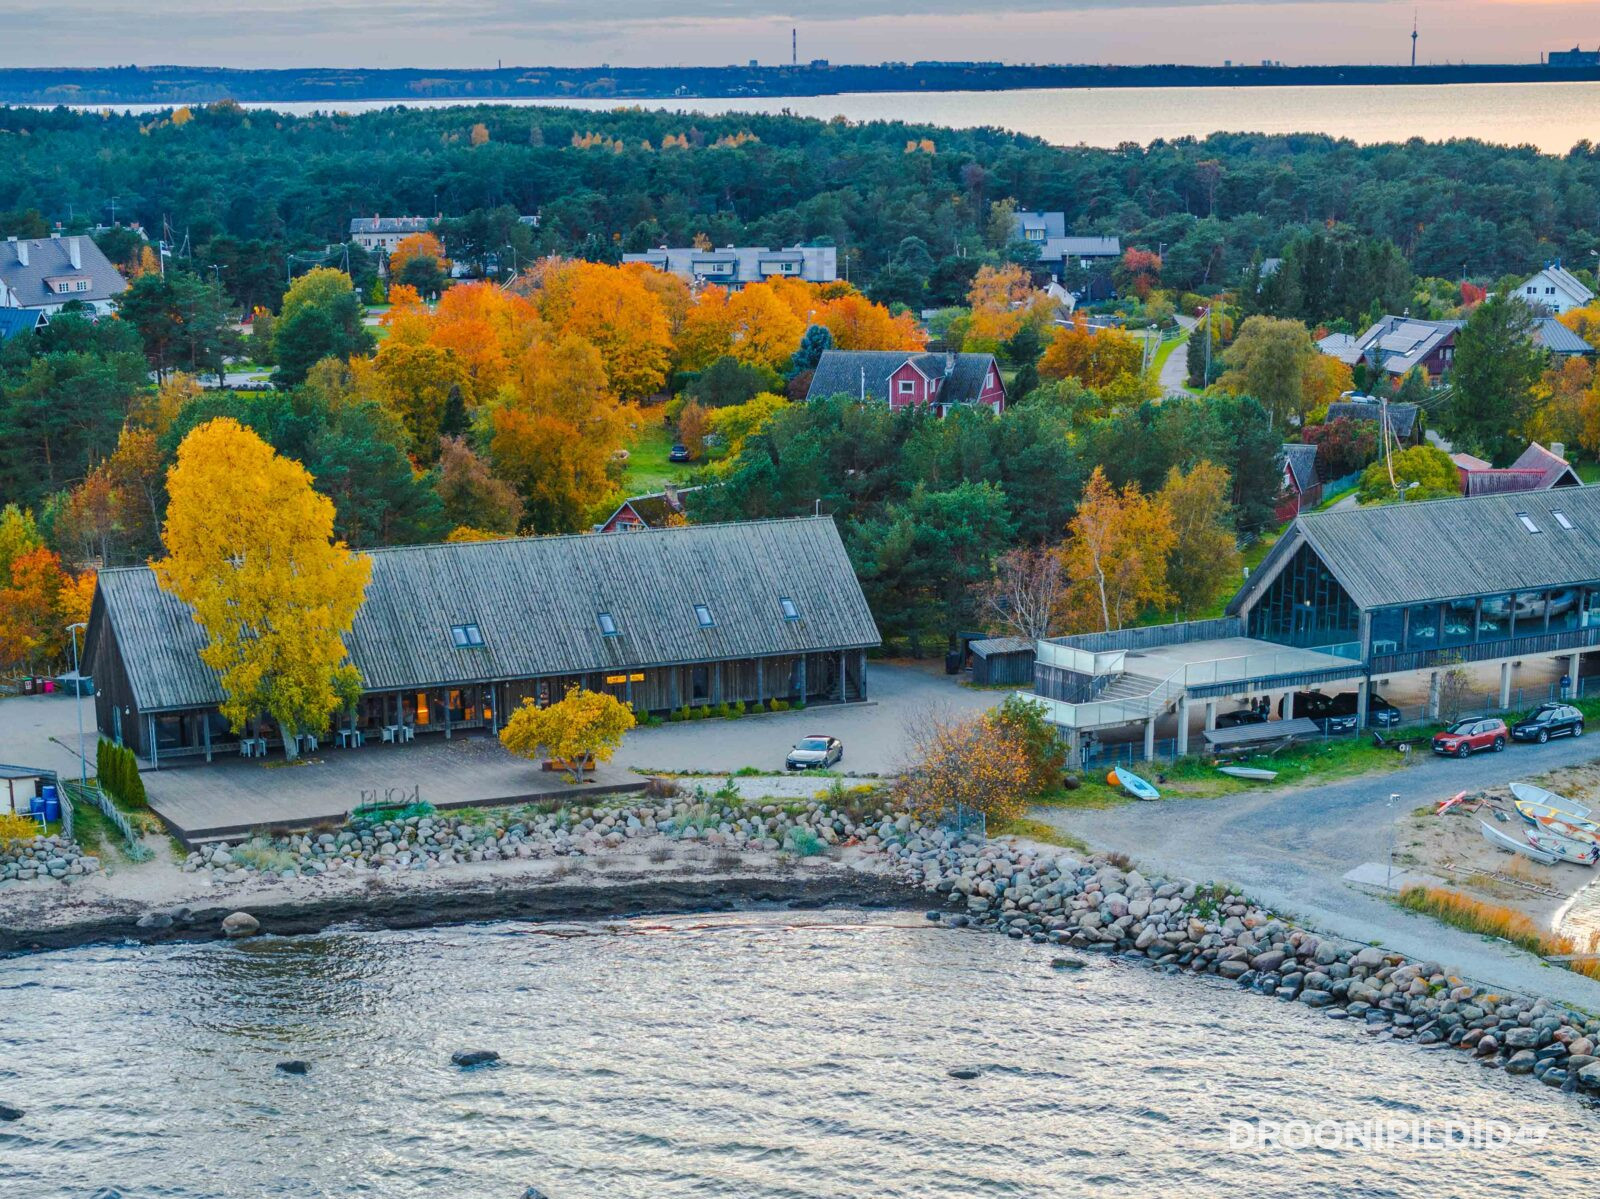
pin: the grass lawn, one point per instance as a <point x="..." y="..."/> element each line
<point x="648" y="469"/>
<point x="1589" y="472"/>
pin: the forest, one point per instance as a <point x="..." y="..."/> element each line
<point x="515" y="378"/>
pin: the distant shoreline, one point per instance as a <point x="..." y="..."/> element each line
<point x="174" y="85"/>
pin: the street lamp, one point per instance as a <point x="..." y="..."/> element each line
<point x="1393" y="796"/>
<point x="77" y="686"/>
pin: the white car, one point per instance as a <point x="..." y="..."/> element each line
<point x="815" y="752"/>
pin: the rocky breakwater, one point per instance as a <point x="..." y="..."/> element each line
<point x="437" y="839"/>
<point x="44" y="858"/>
<point x="1102" y="905"/>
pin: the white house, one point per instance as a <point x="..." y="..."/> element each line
<point x="381" y="234"/>
<point x="45" y="274"/>
<point x="1556" y="289"/>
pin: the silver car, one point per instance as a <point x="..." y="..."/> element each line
<point x="815" y="752"/>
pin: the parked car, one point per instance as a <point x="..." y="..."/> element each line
<point x="1380" y="712"/>
<point x="678" y="453"/>
<point x="1466" y="737"/>
<point x="1319" y="709"/>
<point x="1547" y="721"/>
<point x="1244" y="716"/>
<point x="816" y="752"/>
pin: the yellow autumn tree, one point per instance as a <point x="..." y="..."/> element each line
<point x="736" y="423"/>
<point x="766" y="331"/>
<point x="585" y="727"/>
<point x="1116" y="556"/>
<point x="856" y="323"/>
<point x="611" y="308"/>
<point x="416" y="385"/>
<point x="1003" y="299"/>
<point x="1093" y="357"/>
<point x="707" y="331"/>
<point x="250" y="547"/>
<point x="418" y="245"/>
<point x="1204" y="563"/>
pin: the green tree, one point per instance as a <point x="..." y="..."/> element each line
<point x="1422" y="472"/>
<point x="1268" y="360"/>
<point x="1492" y="379"/>
<point x="321" y="318"/>
<point x="182" y="321"/>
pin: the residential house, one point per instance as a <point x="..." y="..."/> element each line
<point x="659" y="510"/>
<point x="733" y="267"/>
<point x="1536" y="469"/>
<point x="456" y="636"/>
<point x="905" y="379"/>
<point x="1302" y="488"/>
<point x="45" y="274"/>
<point x="1060" y="253"/>
<point x="1555" y="290"/>
<point x="14" y="322"/>
<point x="1405" y="421"/>
<point x="381" y="234"/>
<point x="1398" y="345"/>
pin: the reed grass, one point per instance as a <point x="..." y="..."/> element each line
<point x="1495" y="920"/>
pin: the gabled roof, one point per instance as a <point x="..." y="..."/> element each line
<point x="1573" y="287"/>
<point x="1402" y="417"/>
<point x="743" y="264"/>
<point x="14" y="322"/>
<point x="1400" y="343"/>
<point x="1080" y="247"/>
<point x="1557" y="338"/>
<point x="1053" y="224"/>
<point x="1440" y="549"/>
<point x="1553" y="470"/>
<point x="536" y="601"/>
<point x="654" y="509"/>
<point x="990" y="647"/>
<point x="1301" y="463"/>
<point x="51" y="258"/>
<point x="866" y="373"/>
<point x="391" y="224"/>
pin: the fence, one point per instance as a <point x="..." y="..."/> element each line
<point x="91" y="794"/>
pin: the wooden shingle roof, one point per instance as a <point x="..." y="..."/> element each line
<point x="536" y="601"/>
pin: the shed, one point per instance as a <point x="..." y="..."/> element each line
<point x="998" y="661"/>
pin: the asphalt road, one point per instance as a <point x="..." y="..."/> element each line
<point x="1290" y="850"/>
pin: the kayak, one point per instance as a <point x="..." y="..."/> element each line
<point x="1254" y="773"/>
<point x="1136" y="786"/>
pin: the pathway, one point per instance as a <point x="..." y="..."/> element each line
<point x="1291" y="850"/>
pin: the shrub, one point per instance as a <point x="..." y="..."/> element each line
<point x="804" y="843"/>
<point x="117" y="772"/>
<point x="1035" y="737"/>
<point x="703" y="712"/>
<point x="17" y="828"/>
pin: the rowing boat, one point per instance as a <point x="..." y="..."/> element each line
<point x="1254" y="773"/>
<point x="1511" y="845"/>
<point x="1582" y="852"/>
<point x="1528" y="793"/>
<point x="1135" y="786"/>
<point x="1562" y="823"/>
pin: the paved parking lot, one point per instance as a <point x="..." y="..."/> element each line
<point x="874" y="733"/>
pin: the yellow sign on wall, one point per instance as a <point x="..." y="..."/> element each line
<point x="625" y="678"/>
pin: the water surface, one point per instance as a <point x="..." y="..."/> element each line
<point x="750" y="1057"/>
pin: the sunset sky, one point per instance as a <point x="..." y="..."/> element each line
<point x="461" y="33"/>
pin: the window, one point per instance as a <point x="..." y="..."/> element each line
<point x="608" y="627"/>
<point x="466" y="636"/>
<point x="702" y="614"/>
<point x="1562" y="519"/>
<point x="908" y="387"/>
<point x="1527" y="522"/>
<point x="790" y="612"/>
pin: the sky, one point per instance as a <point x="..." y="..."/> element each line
<point x="478" y="33"/>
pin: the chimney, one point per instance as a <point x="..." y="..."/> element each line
<point x="22" y="252"/>
<point x="1559" y="449"/>
<point x="949" y="363"/>
<point x="75" y="253"/>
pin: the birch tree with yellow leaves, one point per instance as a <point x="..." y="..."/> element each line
<point x="249" y="546"/>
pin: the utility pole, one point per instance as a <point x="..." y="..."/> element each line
<point x="794" y="47"/>
<point x="77" y="686"/>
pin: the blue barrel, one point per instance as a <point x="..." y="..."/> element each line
<point x="52" y="805"/>
<point x="36" y="806"/>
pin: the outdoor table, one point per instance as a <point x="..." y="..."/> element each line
<point x="350" y="738"/>
<point x="391" y="732"/>
<point x="308" y="743"/>
<point x="408" y="732"/>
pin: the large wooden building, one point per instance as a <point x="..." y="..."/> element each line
<point x="453" y="637"/>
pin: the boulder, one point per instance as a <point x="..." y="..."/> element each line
<point x="467" y="1058"/>
<point x="240" y="924"/>
<point x="7" y="1112"/>
<point x="965" y="1073"/>
<point x="293" y="1067"/>
<point x="1520" y="1062"/>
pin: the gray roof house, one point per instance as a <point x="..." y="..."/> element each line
<point x="1536" y="469"/>
<point x="44" y="274"/>
<point x="448" y="635"/>
<point x="382" y="234"/>
<point x="733" y="267"/>
<point x="1058" y="249"/>
<point x="1400" y="344"/>
<point x="908" y="378"/>
<point x="1403" y="418"/>
<point x="1556" y="290"/>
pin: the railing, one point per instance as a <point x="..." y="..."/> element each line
<point x="1078" y="660"/>
<point x="91" y="794"/>
<point x="1153" y="636"/>
<point x="1511" y="647"/>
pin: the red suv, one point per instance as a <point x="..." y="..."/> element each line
<point x="1465" y="737"/>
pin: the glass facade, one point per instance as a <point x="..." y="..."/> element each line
<point x="1481" y="620"/>
<point x="1305" y="606"/>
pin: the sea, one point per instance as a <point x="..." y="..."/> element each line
<point x="766" y="1055"/>
<point x="1550" y="117"/>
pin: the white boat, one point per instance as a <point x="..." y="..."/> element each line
<point x="1528" y="793"/>
<point x="1562" y="823"/>
<point x="1511" y="845"/>
<point x="1134" y="785"/>
<point x="1582" y="852"/>
<point x="1248" y="772"/>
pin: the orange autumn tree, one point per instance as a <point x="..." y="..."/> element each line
<point x="613" y="310"/>
<point x="485" y="329"/>
<point x="418" y="245"/>
<point x="417" y="383"/>
<point x="856" y="323"/>
<point x="707" y="331"/>
<point x="1116" y="555"/>
<point x="38" y="599"/>
<point x="1094" y="358"/>
<point x="1003" y="300"/>
<point x="765" y="330"/>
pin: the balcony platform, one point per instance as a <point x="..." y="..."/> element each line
<point x="1231" y="665"/>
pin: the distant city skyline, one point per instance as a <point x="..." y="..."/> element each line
<point x="480" y="33"/>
